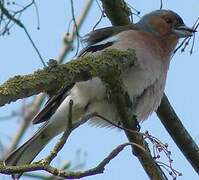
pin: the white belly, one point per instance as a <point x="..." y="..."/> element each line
<point x="144" y="83"/>
<point x="145" y="94"/>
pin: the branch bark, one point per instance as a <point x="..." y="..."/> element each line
<point x="128" y="121"/>
<point x="38" y="101"/>
<point x="43" y="165"/>
<point x="180" y="135"/>
<point x="53" y="78"/>
<point x="117" y="12"/>
<point x="154" y="172"/>
<point x="165" y="111"/>
<point x="23" y="86"/>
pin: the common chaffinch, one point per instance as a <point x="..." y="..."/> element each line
<point x="153" y="38"/>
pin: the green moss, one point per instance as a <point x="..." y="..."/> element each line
<point x="105" y="65"/>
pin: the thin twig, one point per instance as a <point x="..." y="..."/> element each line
<point x="118" y="126"/>
<point x="35" y="47"/>
<point x="186" y="41"/>
<point x="72" y="35"/>
<point x="64" y="137"/>
<point x="43" y="165"/>
<point x="20" y="24"/>
<point x="75" y="26"/>
<point x="38" y="101"/>
<point x="101" y="16"/>
<point x="161" y="4"/>
<point x="33" y="109"/>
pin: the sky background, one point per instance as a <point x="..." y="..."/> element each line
<point x="18" y="57"/>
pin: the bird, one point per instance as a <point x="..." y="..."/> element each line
<point x="154" y="38"/>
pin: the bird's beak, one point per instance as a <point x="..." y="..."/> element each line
<point x="183" y="31"/>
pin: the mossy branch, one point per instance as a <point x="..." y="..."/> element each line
<point x="128" y="120"/>
<point x="118" y="12"/>
<point x="54" y="77"/>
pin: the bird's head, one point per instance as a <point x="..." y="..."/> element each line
<point x="167" y="26"/>
<point x="164" y="23"/>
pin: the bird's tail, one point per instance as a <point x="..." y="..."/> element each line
<point x="31" y="148"/>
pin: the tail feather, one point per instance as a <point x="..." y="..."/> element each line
<point x="30" y="149"/>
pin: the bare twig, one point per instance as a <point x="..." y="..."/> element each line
<point x="101" y="16"/>
<point x="186" y="41"/>
<point x="128" y="121"/>
<point x="69" y="38"/>
<point x="161" y="4"/>
<point x="158" y="147"/>
<point x="43" y="165"/>
<point x="75" y="26"/>
<point x="33" y="109"/>
<point x="118" y="126"/>
<point x="64" y="137"/>
<point x="20" y="24"/>
<point x="181" y="137"/>
<point x="38" y="101"/>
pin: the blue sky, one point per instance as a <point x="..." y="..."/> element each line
<point x="18" y="57"/>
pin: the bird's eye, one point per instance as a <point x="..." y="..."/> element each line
<point x="168" y="20"/>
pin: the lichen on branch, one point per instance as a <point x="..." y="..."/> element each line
<point x="51" y="79"/>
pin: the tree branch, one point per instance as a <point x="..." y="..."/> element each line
<point x="118" y="12"/>
<point x="125" y="108"/>
<point x="21" y="25"/>
<point x="53" y="78"/>
<point x="165" y="111"/>
<point x="38" y="100"/>
<point x="180" y="135"/>
<point x="42" y="165"/>
<point x="26" y="121"/>
<point x="68" y="39"/>
<point x="126" y="113"/>
<point x="23" y="86"/>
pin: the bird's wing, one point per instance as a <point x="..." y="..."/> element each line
<point x="51" y="106"/>
<point x="100" y="39"/>
<point x="96" y="40"/>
